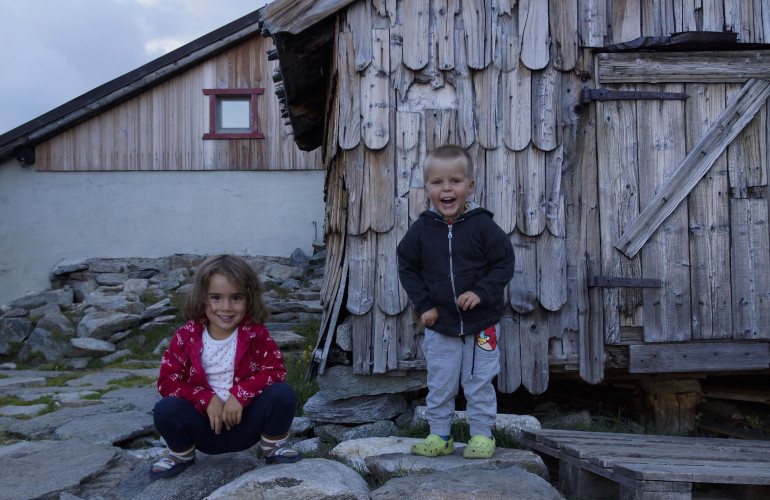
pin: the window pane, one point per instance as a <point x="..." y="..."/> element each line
<point x="235" y="113"/>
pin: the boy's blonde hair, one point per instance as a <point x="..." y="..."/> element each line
<point x="448" y="152"/>
<point x="239" y="274"/>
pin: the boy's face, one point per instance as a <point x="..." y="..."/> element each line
<point x="448" y="186"/>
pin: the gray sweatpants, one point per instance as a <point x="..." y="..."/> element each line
<point x="450" y="362"/>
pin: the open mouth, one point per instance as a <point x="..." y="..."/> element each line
<point x="447" y="201"/>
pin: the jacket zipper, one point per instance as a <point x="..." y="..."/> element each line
<point x="452" y="280"/>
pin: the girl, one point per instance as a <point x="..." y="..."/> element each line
<point x="222" y="376"/>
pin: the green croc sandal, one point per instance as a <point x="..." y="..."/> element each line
<point x="480" y="447"/>
<point x="434" y="446"/>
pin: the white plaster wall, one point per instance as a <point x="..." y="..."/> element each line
<point x="47" y="218"/>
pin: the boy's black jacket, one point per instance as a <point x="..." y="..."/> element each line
<point x="481" y="260"/>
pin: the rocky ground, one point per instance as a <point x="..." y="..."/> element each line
<point x="78" y="365"/>
<point x="102" y="447"/>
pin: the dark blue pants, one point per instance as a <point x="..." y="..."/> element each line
<point x="182" y="426"/>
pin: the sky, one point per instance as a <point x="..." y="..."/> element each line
<point x="56" y="50"/>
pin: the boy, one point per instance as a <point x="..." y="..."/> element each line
<point x="454" y="263"/>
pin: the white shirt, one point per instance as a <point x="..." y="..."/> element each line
<point x="218" y="360"/>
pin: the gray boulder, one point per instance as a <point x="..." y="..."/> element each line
<point x="101" y="325"/>
<point x="315" y="478"/>
<point x="91" y="347"/>
<point x="342" y="433"/>
<point x="358" y="410"/>
<point x="339" y="382"/>
<point x="12" y="331"/>
<point x="197" y="481"/>
<point x="162" y="308"/>
<point x="45" y="469"/>
<point x="472" y="482"/>
<point x="55" y="322"/>
<point x="45" y="343"/>
<point x="111" y="428"/>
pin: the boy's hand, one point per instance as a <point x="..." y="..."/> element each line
<point x="214" y="412"/>
<point x="468" y="300"/>
<point x="231" y="414"/>
<point x="429" y="317"/>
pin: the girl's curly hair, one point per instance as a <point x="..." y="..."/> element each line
<point x="239" y="274"/>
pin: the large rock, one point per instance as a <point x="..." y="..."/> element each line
<point x="471" y="482"/>
<point x="116" y="303"/>
<point x="354" y="452"/>
<point x="391" y="465"/>
<point x="107" y="428"/>
<point x="55" y="322"/>
<point x="91" y="347"/>
<point x="45" y="469"/>
<point x="358" y="410"/>
<point x="510" y="424"/>
<point x="101" y="325"/>
<point x="207" y="474"/>
<point x="63" y="297"/>
<point x="339" y="382"/>
<point x="43" y="342"/>
<point x="307" y="479"/>
<point x="281" y="272"/>
<point x="342" y="433"/>
<point x="12" y="331"/>
<point x="162" y="308"/>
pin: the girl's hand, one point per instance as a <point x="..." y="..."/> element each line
<point x="468" y="300"/>
<point x="214" y="412"/>
<point x="231" y="414"/>
<point x="429" y="317"/>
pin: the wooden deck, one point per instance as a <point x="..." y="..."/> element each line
<point x="600" y="465"/>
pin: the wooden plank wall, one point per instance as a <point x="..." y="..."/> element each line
<point x="162" y="128"/>
<point x="502" y="78"/>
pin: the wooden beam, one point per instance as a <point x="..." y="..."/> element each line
<point x="669" y="67"/>
<point x="698" y="357"/>
<point x="694" y="166"/>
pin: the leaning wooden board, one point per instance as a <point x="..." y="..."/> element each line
<point x="645" y="465"/>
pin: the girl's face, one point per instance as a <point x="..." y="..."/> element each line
<point x="225" y="307"/>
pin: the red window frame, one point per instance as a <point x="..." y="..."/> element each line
<point x="213" y="94"/>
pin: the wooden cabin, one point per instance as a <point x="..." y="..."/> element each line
<point x="186" y="154"/>
<point x="623" y="146"/>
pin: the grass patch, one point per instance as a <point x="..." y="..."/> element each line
<point x="133" y="381"/>
<point x="14" y="401"/>
<point x="297" y="363"/>
<point x="63" y="379"/>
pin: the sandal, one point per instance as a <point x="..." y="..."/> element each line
<point x="433" y="446"/>
<point x="169" y="465"/>
<point x="480" y="447"/>
<point x="281" y="454"/>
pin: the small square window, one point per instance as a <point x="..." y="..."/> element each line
<point x="233" y="114"/>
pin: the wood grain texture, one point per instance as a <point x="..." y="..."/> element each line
<point x="534" y="31"/>
<point x="516" y="103"/>
<point x="375" y="93"/>
<point x="709" y="223"/>
<point x="530" y="172"/>
<point x="416" y="14"/>
<point x="350" y="94"/>
<point x="563" y="19"/>
<point x="666" y="256"/>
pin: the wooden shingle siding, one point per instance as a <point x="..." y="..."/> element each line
<point x="566" y="179"/>
<point x="161" y="128"/>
